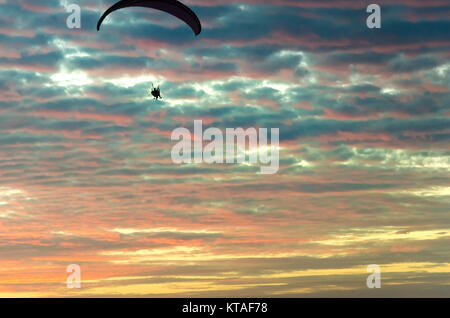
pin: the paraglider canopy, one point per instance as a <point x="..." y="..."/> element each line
<point x="173" y="7"/>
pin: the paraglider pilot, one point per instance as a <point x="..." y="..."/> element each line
<point x="156" y="92"/>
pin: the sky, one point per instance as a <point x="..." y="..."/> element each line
<point x="86" y="175"/>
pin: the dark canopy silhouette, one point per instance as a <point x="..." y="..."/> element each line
<point x="172" y="7"/>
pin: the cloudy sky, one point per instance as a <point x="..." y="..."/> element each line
<point x="86" y="175"/>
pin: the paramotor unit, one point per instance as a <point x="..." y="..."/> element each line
<point x="156" y="93"/>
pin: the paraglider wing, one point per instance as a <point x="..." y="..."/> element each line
<point x="173" y="7"/>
